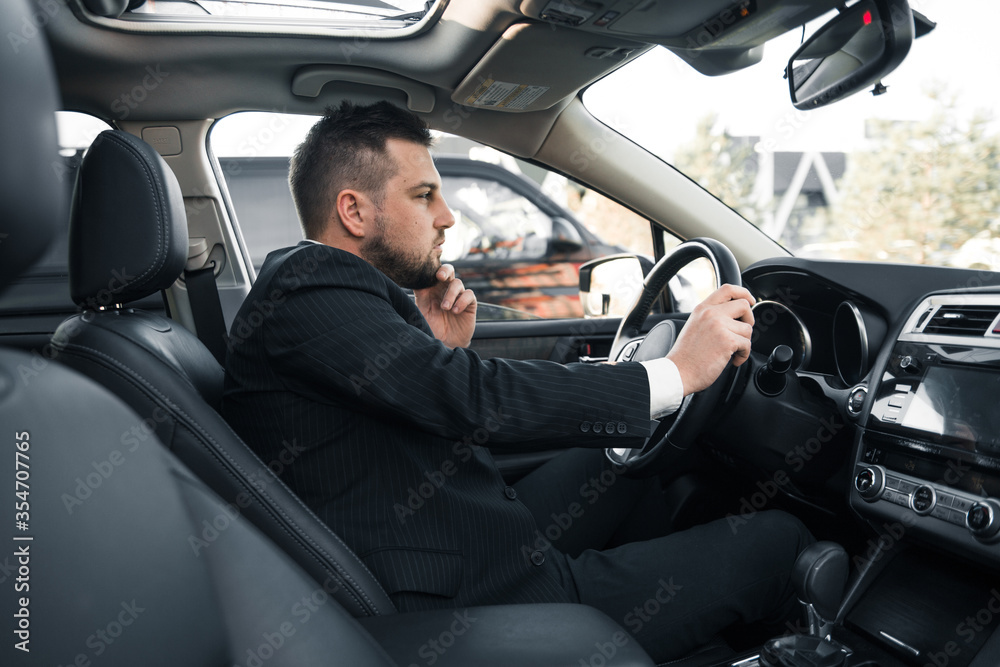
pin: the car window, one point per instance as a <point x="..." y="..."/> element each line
<point x="520" y="234"/>
<point x="46" y="283"/>
<point x="492" y="222"/>
<point x="907" y="175"/>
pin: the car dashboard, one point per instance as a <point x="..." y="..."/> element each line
<point x="908" y="358"/>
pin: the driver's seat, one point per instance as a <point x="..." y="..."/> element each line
<point x="128" y="239"/>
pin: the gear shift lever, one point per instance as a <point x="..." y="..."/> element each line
<point x="819" y="576"/>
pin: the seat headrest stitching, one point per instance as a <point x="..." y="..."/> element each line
<point x="160" y="208"/>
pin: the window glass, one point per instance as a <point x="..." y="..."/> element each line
<point x="520" y="234"/>
<point x="492" y="222"/>
<point x="44" y="287"/>
<point x="76" y="131"/>
<point x="910" y="175"/>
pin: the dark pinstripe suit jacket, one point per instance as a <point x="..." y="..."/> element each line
<point x="334" y="377"/>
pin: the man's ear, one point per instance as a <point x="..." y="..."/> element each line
<point x="355" y="212"/>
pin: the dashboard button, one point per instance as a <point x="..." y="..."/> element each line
<point x="896" y="401"/>
<point x="961" y="504"/>
<point x="940" y="512"/>
<point x="906" y="487"/>
<point x="957" y="518"/>
<point x="982" y="519"/>
<point x="922" y="500"/>
<point x="945" y="499"/>
<point x="980" y="516"/>
<point x="870" y="483"/>
<point x="856" y="401"/>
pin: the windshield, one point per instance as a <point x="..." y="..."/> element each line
<point x="907" y="176"/>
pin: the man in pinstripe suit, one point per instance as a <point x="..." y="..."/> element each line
<point x="389" y="410"/>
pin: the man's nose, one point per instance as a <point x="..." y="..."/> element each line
<point x="445" y="218"/>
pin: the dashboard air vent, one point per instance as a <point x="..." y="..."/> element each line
<point x="958" y="320"/>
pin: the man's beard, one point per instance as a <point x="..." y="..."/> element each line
<point x="406" y="270"/>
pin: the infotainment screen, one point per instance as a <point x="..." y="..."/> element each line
<point x="960" y="406"/>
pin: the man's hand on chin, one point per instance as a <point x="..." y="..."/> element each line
<point x="449" y="308"/>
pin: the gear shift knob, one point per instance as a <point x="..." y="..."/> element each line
<point x="819" y="576"/>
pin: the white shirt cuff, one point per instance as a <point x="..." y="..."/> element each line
<point x="666" y="390"/>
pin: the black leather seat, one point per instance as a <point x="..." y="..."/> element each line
<point x="127" y="240"/>
<point x="112" y="577"/>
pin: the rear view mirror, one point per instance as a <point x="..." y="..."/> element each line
<point x="852" y="51"/>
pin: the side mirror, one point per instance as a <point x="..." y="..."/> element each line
<point x="609" y="286"/>
<point x="852" y="51"/>
<point x="565" y="237"/>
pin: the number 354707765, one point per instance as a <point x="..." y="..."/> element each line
<point x="22" y="478"/>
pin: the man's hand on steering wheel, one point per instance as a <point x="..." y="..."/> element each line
<point x="716" y="333"/>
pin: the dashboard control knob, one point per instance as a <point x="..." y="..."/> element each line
<point x="923" y="500"/>
<point x="870" y="483"/>
<point x="770" y="379"/>
<point x="856" y="400"/>
<point x="909" y="364"/>
<point x="983" y="520"/>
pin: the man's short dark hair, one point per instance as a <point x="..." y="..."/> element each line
<point x="347" y="150"/>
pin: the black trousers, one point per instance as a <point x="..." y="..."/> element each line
<point x="604" y="539"/>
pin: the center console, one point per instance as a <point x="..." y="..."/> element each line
<point x="927" y="478"/>
<point x="928" y="457"/>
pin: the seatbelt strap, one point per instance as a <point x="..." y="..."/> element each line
<point x="203" y="294"/>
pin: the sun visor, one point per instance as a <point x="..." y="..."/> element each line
<point x="531" y="69"/>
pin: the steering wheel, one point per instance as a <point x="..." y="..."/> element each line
<point x="676" y="432"/>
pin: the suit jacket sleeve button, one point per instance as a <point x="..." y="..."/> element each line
<point x="510" y="492"/>
<point x="585" y="427"/>
<point x="598" y="427"/>
<point x="622" y="427"/>
<point x="609" y="428"/>
<point x="537" y="557"/>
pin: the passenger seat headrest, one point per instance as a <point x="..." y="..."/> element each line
<point x="32" y="201"/>
<point x="128" y="233"/>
